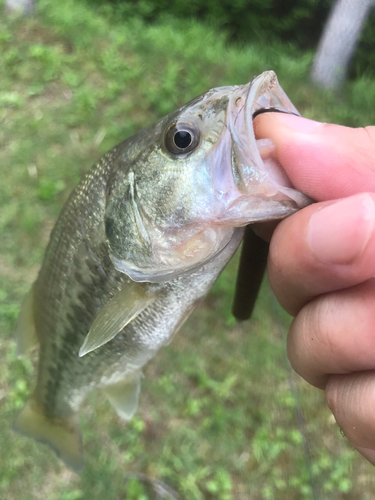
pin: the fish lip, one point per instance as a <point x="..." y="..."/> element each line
<point x="251" y="175"/>
<point x="266" y="94"/>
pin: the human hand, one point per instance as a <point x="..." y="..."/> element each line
<point x="322" y="265"/>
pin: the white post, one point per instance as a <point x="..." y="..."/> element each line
<point x="21" y="6"/>
<point x="338" y="42"/>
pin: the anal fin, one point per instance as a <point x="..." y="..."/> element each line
<point x="62" y="435"/>
<point x="25" y="334"/>
<point x="124" y="396"/>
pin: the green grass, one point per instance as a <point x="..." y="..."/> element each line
<point x="217" y="413"/>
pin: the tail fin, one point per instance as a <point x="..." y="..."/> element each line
<point x="62" y="435"/>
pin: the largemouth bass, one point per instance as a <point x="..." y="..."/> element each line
<point x="139" y="243"/>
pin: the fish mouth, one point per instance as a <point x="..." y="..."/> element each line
<point x="260" y="189"/>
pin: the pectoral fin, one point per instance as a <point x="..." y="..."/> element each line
<point x="124" y="396"/>
<point x="115" y="315"/>
<point x="62" y="435"/>
<point x="25" y="334"/>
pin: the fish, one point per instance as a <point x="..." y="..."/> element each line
<point x="138" y="245"/>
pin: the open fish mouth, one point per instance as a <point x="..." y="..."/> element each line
<point x="265" y="96"/>
<point x="258" y="179"/>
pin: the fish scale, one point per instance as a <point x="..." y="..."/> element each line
<point x="82" y="307"/>
<point x="75" y="315"/>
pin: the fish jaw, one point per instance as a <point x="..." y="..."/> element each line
<point x="255" y="187"/>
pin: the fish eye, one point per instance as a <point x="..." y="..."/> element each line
<point x="182" y="137"/>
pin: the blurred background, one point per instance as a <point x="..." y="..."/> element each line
<point x="221" y="415"/>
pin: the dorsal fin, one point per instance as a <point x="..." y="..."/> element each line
<point x="115" y="315"/>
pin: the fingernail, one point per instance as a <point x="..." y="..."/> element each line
<point x="298" y="123"/>
<point x="338" y="233"/>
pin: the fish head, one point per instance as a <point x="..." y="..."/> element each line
<point x="180" y="187"/>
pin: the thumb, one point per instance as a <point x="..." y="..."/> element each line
<point x="324" y="161"/>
